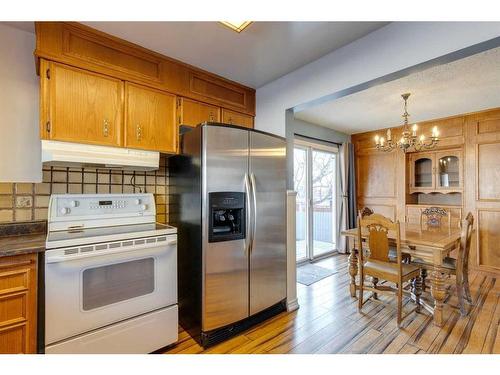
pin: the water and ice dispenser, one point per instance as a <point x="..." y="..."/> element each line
<point x="227" y="216"/>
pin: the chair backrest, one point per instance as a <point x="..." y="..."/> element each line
<point x="365" y="211"/>
<point x="378" y="227"/>
<point x="464" y="250"/>
<point x="433" y="217"/>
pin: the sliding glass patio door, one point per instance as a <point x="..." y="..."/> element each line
<point x="315" y="180"/>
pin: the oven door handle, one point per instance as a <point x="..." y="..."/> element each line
<point x="97" y="253"/>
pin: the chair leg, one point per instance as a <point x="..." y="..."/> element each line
<point x="375" y="282"/>
<point x="467" y="289"/>
<point x="400" y="303"/>
<point x="423" y="275"/>
<point x="361" y="284"/>
<point x="417" y="287"/>
<point x="461" y="299"/>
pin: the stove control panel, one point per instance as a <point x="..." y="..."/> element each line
<point x="97" y="206"/>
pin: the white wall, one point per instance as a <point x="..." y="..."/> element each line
<point x="19" y="134"/>
<point x="392" y="48"/>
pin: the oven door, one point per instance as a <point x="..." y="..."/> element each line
<point x="90" y="287"/>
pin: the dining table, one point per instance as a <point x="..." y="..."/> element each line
<point x="430" y="245"/>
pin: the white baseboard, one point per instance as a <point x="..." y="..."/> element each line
<point x="292" y="305"/>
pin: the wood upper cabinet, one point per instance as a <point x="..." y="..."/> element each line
<point x="448" y="171"/>
<point x="235" y="118"/>
<point x="422" y="176"/>
<point x="78" y="45"/>
<point x="150" y="119"/>
<point x="80" y="106"/>
<point x="436" y="171"/>
<point x="18" y="304"/>
<point x="192" y="113"/>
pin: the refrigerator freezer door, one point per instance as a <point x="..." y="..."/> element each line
<point x="225" y="284"/>
<point x="268" y="250"/>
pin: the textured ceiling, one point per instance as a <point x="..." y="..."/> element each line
<point x="467" y="85"/>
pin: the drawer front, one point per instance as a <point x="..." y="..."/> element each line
<point x="13" y="309"/>
<point x="13" y="280"/>
<point x="13" y="339"/>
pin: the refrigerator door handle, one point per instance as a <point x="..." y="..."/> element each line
<point x="248" y="218"/>
<point x="254" y="198"/>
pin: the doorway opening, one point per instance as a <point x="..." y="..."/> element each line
<point x="315" y="181"/>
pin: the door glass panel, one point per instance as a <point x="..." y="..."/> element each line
<point x="300" y="186"/>
<point x="323" y="194"/>
<point x="423" y="172"/>
<point x="448" y="172"/>
<point x="113" y="283"/>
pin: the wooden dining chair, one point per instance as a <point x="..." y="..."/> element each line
<point x="433" y="217"/>
<point x="460" y="266"/>
<point x="365" y="211"/>
<point x="378" y="265"/>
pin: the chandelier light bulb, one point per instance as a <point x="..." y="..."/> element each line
<point x="377" y="138"/>
<point x="414" y="128"/>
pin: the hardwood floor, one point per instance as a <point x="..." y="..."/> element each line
<point x="328" y="322"/>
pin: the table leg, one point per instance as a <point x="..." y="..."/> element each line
<point x="353" y="271"/>
<point x="438" y="291"/>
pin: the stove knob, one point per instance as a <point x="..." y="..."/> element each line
<point x="75" y="203"/>
<point x="144" y="207"/>
<point x="64" y="210"/>
<point x="137" y="201"/>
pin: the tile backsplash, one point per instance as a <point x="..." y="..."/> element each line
<point x="29" y="202"/>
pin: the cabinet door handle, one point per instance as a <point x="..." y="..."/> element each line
<point x="105" y="127"/>
<point x="138" y="132"/>
<point x="211" y="116"/>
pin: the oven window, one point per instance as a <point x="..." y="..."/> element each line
<point x="117" y="282"/>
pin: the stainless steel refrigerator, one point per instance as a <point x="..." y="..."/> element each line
<point x="228" y="202"/>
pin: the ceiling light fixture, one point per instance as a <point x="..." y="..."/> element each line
<point x="409" y="140"/>
<point x="237" y="26"/>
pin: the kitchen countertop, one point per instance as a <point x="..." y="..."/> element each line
<point x="22" y="238"/>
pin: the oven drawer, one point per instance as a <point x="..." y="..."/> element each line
<point x="140" y="335"/>
<point x="90" y="290"/>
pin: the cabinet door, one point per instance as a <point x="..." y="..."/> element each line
<point x="18" y="304"/>
<point x="150" y="119"/>
<point x="235" y="118"/>
<point x="84" y="107"/>
<point x="449" y="170"/>
<point x="192" y="113"/>
<point x="422" y="172"/>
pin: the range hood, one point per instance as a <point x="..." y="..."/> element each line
<point x="67" y="154"/>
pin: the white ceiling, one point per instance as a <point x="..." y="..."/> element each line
<point x="260" y="54"/>
<point x="467" y="85"/>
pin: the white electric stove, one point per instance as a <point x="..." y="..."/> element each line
<point x="110" y="275"/>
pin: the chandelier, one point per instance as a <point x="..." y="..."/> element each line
<point x="409" y="141"/>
